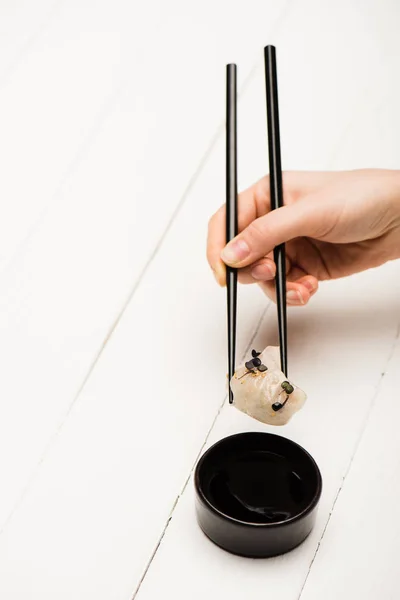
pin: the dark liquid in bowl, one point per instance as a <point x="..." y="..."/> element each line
<point x="257" y="487"/>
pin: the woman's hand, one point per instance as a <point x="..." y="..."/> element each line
<point x="334" y="224"/>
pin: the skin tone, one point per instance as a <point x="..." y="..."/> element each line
<point x="334" y="224"/>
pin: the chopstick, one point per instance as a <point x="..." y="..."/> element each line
<point x="276" y="194"/>
<point x="231" y="212"/>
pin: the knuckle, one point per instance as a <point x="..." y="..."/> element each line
<point x="261" y="196"/>
<point x="256" y="233"/>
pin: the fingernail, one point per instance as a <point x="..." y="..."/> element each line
<point x="310" y="285"/>
<point x="235" y="252"/>
<point x="294" y="297"/>
<point x="262" y="272"/>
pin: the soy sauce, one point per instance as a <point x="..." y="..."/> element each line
<point x="257" y="487"/>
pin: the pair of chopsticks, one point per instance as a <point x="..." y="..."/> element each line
<point x="276" y="196"/>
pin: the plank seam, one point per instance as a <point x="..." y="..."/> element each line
<point x="85" y="147"/>
<point x="175" y="504"/>
<point x="81" y="152"/>
<point x="355" y="451"/>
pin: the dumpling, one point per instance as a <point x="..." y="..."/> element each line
<point x="262" y="391"/>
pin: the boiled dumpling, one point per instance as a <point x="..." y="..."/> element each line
<point x="262" y="391"/>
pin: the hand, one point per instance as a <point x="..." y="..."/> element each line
<point x="334" y="224"/>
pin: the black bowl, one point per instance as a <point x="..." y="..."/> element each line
<point x="257" y="494"/>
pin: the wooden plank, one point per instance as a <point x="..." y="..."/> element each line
<point x="52" y="101"/>
<point x="357" y="553"/>
<point x="364" y="520"/>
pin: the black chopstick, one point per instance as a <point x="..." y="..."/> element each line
<point x="276" y="194"/>
<point x="231" y="212"/>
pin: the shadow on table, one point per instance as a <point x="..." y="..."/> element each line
<point x="347" y="325"/>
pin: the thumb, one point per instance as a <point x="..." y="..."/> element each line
<point x="306" y="217"/>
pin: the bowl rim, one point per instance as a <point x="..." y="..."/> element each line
<point x="303" y="513"/>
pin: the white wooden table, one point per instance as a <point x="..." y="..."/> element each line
<point x="112" y="331"/>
